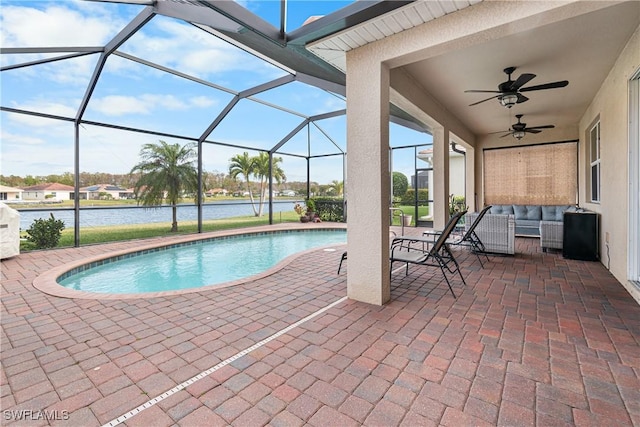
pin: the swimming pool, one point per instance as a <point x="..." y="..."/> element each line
<point x="195" y="263"/>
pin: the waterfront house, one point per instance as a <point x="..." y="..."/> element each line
<point x="105" y="192"/>
<point x="48" y="192"/>
<point x="10" y="194"/>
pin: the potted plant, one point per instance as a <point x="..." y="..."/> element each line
<point x="311" y="209"/>
<point x="301" y="210"/>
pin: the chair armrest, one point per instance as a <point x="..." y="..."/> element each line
<point x="408" y="243"/>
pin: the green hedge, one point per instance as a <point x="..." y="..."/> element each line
<point x="409" y="197"/>
<point x="329" y="208"/>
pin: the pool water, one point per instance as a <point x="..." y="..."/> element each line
<point x="204" y="263"/>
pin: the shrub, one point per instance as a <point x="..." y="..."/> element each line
<point x="409" y="197"/>
<point x="329" y="208"/>
<point x="45" y="233"/>
<point x="400" y="184"/>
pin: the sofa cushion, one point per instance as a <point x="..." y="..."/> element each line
<point x="554" y="212"/>
<point x="533" y="212"/>
<point x="501" y="209"/>
<point x="528" y="223"/>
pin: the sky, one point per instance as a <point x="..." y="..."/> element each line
<point x="132" y="95"/>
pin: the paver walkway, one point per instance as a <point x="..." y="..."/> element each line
<point x="533" y="339"/>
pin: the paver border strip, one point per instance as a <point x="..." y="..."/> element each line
<point x="222" y="364"/>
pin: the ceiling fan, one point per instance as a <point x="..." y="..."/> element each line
<point x="519" y="130"/>
<point x="509" y="92"/>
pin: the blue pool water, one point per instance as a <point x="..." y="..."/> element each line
<point x="204" y="262"/>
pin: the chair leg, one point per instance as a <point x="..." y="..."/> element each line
<point x="455" y="262"/>
<point x="478" y="246"/>
<point x="344" y="256"/>
<point x="475" y="249"/>
<point x="447" y="280"/>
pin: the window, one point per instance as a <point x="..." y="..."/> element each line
<point x="3" y="196"/>
<point x="594" y="144"/>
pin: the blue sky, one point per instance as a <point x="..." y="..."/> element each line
<point x="130" y="94"/>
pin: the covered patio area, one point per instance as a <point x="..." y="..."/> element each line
<point x="534" y="339"/>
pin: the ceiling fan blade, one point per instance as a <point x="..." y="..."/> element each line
<point x="484" y="100"/>
<point x="482" y="91"/>
<point x="552" y="85"/>
<point x="500" y="131"/>
<point x="506" y="134"/>
<point x="521" y="81"/>
<point x="542" y="127"/>
<point x="521" y="98"/>
<point x="530" y="130"/>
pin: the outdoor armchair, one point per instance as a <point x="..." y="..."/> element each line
<point x="421" y="251"/>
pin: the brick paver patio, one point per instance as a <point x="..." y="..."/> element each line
<point x="534" y="339"/>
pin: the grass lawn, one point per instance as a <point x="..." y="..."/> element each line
<point x="132" y="202"/>
<point x="92" y="235"/>
<point x="409" y="210"/>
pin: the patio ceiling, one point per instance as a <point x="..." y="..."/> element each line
<point x="580" y="49"/>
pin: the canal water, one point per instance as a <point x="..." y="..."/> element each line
<point x="97" y="217"/>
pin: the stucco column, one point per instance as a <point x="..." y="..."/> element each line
<point x="440" y="177"/>
<point x="367" y="181"/>
<point x="470" y="174"/>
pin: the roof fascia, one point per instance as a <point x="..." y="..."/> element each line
<point x="249" y="21"/>
<point x="342" y="19"/>
<point x="197" y="14"/>
<point x="340" y="89"/>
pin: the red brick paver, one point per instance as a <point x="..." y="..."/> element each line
<point x="534" y="339"/>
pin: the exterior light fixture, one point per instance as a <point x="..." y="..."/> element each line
<point x="518" y="134"/>
<point x="508" y="100"/>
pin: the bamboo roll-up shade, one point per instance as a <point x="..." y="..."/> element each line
<point x="533" y="175"/>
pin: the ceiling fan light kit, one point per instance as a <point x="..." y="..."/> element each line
<point x="509" y="94"/>
<point x="520" y="129"/>
<point x="518" y="134"/>
<point x="508" y="100"/>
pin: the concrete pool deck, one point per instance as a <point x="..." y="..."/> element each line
<point x="534" y="339"/>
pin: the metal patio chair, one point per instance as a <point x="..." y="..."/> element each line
<point x="469" y="238"/>
<point x="420" y="251"/>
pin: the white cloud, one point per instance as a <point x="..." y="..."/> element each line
<point x="55" y="25"/>
<point x="201" y="54"/>
<point x="202" y="101"/>
<point x="12" y="139"/>
<point x="118" y="105"/>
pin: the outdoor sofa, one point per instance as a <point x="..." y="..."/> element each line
<point x="544" y="221"/>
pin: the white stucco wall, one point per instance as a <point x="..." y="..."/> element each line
<point x="611" y="105"/>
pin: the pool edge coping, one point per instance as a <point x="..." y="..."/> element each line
<point x="48" y="284"/>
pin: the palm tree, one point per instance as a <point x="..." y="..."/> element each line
<point x="337" y="186"/>
<point x="261" y="171"/>
<point x="166" y="172"/>
<point x="242" y="164"/>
